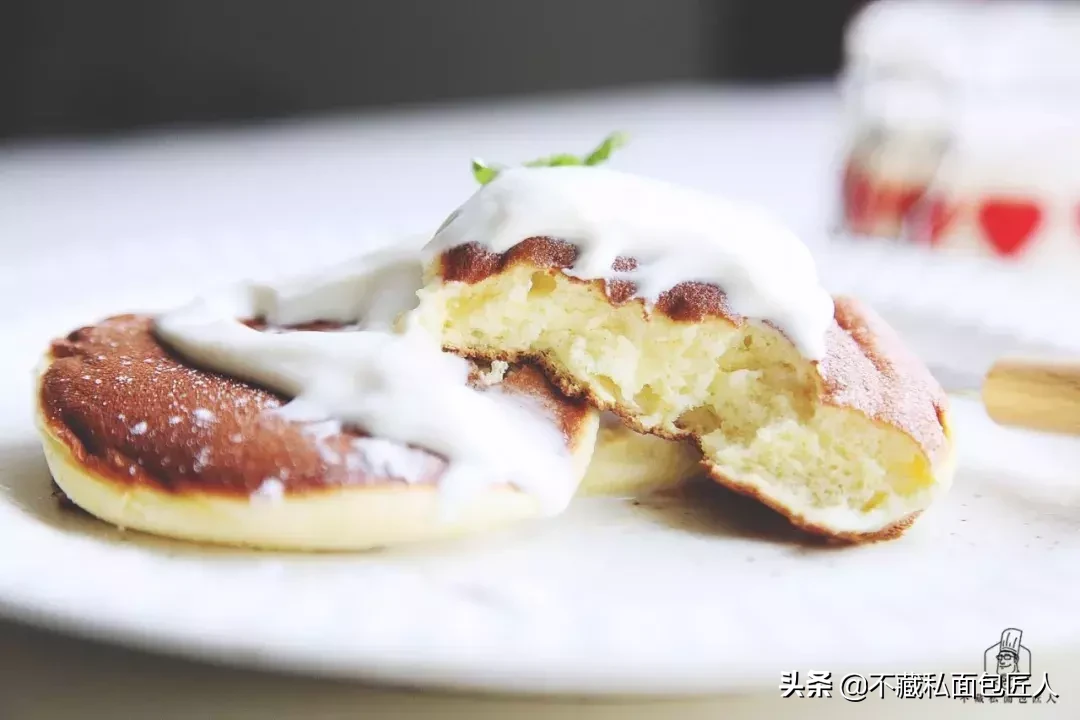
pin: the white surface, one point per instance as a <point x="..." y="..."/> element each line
<point x="670" y="596"/>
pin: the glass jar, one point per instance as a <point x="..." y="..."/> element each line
<point x="963" y="128"/>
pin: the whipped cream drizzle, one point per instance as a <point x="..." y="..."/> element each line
<point x="399" y="387"/>
<point x="675" y="234"/>
<point x="371" y="290"/>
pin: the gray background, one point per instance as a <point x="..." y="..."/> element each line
<point x="88" y="67"/>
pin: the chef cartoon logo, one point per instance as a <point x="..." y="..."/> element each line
<point x="1008" y="656"/>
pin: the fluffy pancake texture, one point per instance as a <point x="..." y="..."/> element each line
<point x="853" y="446"/>
<point x="139" y="438"/>
<point x="628" y="463"/>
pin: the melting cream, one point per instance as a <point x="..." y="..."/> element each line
<point x="675" y="234"/>
<point x="372" y="290"/>
<point x="398" y="387"/>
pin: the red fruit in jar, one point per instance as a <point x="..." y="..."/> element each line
<point x="1009" y="223"/>
<point x="939" y="215"/>
<point x="907" y="200"/>
<point x="884" y="203"/>
<point x="893" y="204"/>
<point x="858" y="197"/>
<point x="930" y="219"/>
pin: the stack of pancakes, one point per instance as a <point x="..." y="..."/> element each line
<point x="851" y="445"/>
<point x="140" y="437"/>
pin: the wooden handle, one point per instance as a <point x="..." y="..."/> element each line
<point x="1034" y="394"/>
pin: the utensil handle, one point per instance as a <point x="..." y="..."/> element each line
<point x="1040" y="395"/>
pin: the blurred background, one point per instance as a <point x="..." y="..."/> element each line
<point x="69" y="67"/>
<point x="928" y="152"/>
<point x="264" y="135"/>
<point x="951" y="126"/>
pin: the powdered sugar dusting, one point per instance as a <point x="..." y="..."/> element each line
<point x="202" y="459"/>
<point x="271" y="490"/>
<point x="203" y="417"/>
<point x="138" y="428"/>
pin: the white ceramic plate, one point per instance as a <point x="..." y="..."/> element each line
<point x="693" y="594"/>
<point x="703" y="592"/>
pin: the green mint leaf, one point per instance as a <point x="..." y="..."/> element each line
<point x="485" y="173"/>
<point x="562" y="159"/>
<point x="611" y="143"/>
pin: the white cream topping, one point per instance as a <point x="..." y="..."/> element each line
<point x="675" y="234"/>
<point x="373" y="290"/>
<point x="397" y="387"/>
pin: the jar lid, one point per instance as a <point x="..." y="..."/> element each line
<point x="969" y="44"/>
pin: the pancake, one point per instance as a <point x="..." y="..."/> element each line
<point x="853" y="445"/>
<point x="628" y="463"/>
<point x="142" y="439"/>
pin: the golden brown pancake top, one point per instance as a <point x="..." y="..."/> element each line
<point x="131" y="410"/>
<point x="867" y="367"/>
